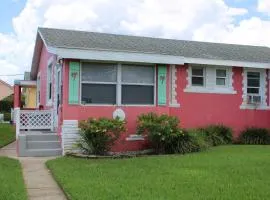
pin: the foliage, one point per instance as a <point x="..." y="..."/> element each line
<point x="165" y="135"/>
<point x="98" y="135"/>
<point x="253" y="135"/>
<point x="7" y="116"/>
<point x="7" y="134"/>
<point x="225" y="172"/>
<point x="199" y="139"/>
<point x="6" y="104"/>
<point x="217" y="134"/>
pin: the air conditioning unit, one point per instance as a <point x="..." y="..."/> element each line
<point x="254" y="99"/>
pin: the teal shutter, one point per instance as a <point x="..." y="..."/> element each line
<point x="74" y="81"/>
<point x="162" y="74"/>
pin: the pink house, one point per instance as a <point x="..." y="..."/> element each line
<point x="85" y="74"/>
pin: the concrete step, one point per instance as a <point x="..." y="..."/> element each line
<point x="42" y="137"/>
<point x="42" y="152"/>
<point x="43" y="145"/>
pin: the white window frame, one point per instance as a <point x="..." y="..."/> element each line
<point x="49" y="80"/>
<point x="262" y="91"/>
<point x="173" y="86"/>
<point x="210" y="77"/>
<point x="118" y="84"/>
<point x="222" y="77"/>
<point x="199" y="76"/>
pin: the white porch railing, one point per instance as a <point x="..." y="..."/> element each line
<point x="33" y="119"/>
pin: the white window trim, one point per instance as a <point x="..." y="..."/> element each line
<point x="118" y="87"/>
<point x="263" y="90"/>
<point x="210" y="81"/>
<point x="49" y="101"/>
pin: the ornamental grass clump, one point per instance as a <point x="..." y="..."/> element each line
<point x="253" y="135"/>
<point x="98" y="135"/>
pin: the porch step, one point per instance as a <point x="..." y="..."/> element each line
<point x="43" y="145"/>
<point x="43" y="152"/>
<point x="39" y="144"/>
<point x="42" y="137"/>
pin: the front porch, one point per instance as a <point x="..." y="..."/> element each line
<point x="35" y="131"/>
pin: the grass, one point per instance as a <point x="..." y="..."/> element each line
<point x="11" y="181"/>
<point x="225" y="172"/>
<point x="7" y="134"/>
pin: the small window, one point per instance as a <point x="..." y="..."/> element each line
<point x="99" y="82"/>
<point x="253" y="82"/>
<point x="221" y="77"/>
<point x="137" y="84"/>
<point x="197" y="77"/>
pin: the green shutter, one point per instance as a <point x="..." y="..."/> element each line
<point x="162" y="74"/>
<point x="74" y="79"/>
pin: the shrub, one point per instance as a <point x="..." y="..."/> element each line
<point x="98" y="135"/>
<point x="7" y="117"/>
<point x="254" y="135"/>
<point x="217" y="134"/>
<point x="165" y="135"/>
<point x="199" y="139"/>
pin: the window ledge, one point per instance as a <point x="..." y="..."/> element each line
<point x="135" y="138"/>
<point x="210" y="90"/>
<point x="254" y="107"/>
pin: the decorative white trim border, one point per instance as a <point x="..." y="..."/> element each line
<point x="173" y="87"/>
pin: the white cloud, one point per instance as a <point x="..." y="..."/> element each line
<point x="207" y="20"/>
<point x="264" y="6"/>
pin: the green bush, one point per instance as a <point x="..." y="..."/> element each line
<point x="7" y="117"/>
<point x="165" y="135"/>
<point x="98" y="135"/>
<point x="254" y="135"/>
<point x="217" y="134"/>
<point x="199" y="139"/>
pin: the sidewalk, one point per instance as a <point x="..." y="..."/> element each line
<point x="39" y="182"/>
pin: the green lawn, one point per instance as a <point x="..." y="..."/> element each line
<point x="11" y="181"/>
<point x="7" y="134"/>
<point x="226" y="172"/>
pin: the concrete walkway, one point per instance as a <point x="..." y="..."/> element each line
<point x="39" y="183"/>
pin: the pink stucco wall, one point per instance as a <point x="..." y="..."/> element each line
<point x="43" y="65"/>
<point x="199" y="109"/>
<point x="196" y="109"/>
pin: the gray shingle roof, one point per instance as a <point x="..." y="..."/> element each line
<point x="191" y="49"/>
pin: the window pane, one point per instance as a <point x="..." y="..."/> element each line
<point x="197" y="81"/>
<point x="253" y="74"/>
<point x="220" y="81"/>
<point x="221" y="73"/>
<point x="138" y="74"/>
<point x="99" y="72"/>
<point x="253" y="82"/>
<point x="253" y="90"/>
<point x="99" y="93"/>
<point x="197" y="71"/>
<point x="137" y="94"/>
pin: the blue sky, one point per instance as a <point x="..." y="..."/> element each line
<point x="8" y="10"/>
